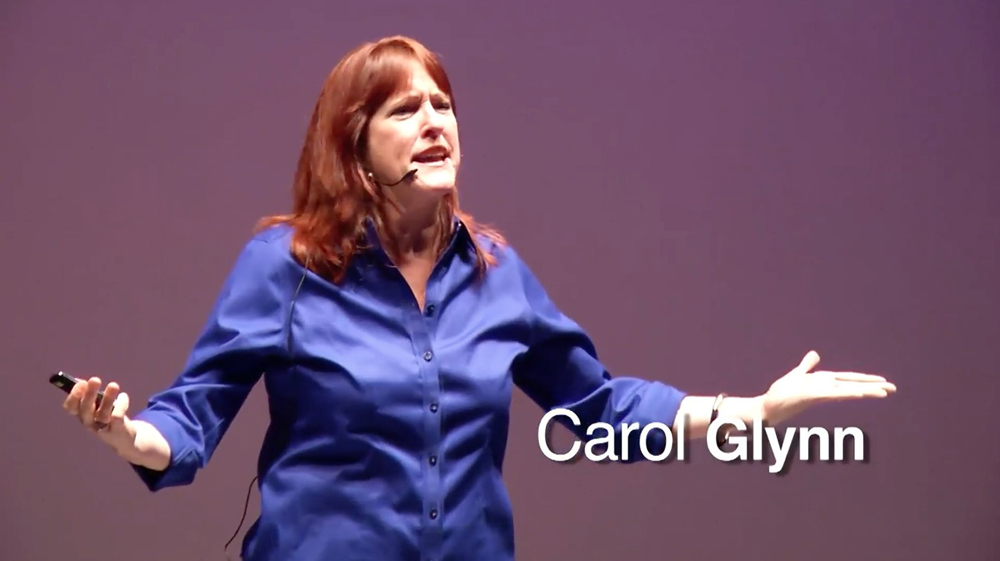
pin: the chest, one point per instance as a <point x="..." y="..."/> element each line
<point x="416" y="275"/>
<point x="367" y="360"/>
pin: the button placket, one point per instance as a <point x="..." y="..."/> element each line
<point x="422" y="323"/>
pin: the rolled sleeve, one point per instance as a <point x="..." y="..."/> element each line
<point x="240" y="340"/>
<point x="561" y="369"/>
<point x="183" y="462"/>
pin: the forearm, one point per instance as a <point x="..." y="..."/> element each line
<point x="149" y="449"/>
<point x="695" y="412"/>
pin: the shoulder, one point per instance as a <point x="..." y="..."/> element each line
<point x="276" y="237"/>
<point x="504" y="254"/>
<point x="512" y="277"/>
<point x="510" y="268"/>
<point x="266" y="256"/>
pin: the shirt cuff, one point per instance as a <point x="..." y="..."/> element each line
<point x="183" y="461"/>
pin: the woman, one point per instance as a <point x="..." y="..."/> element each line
<point x="389" y="327"/>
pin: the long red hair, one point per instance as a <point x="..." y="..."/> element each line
<point x="333" y="196"/>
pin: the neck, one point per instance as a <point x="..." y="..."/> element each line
<point x="416" y="231"/>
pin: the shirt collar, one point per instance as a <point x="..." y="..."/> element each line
<point x="460" y="238"/>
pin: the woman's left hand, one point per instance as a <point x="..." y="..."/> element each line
<point x="801" y="388"/>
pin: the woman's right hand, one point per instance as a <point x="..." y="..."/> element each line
<point x="108" y="421"/>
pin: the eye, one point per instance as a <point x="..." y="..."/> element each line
<point x="404" y="109"/>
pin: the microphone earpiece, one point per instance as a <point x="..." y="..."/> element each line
<point x="408" y="175"/>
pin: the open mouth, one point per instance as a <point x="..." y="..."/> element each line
<point x="432" y="158"/>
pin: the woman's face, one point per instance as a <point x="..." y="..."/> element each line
<point x="415" y="129"/>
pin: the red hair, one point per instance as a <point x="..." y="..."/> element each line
<point x="333" y="196"/>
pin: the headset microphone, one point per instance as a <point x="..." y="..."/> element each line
<point x="409" y="175"/>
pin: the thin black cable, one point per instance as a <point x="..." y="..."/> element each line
<point x="288" y="347"/>
<point x="246" y="504"/>
<point x="409" y="175"/>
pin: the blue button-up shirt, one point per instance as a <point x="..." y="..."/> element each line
<point x="388" y="422"/>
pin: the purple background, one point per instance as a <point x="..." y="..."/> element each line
<point x="710" y="189"/>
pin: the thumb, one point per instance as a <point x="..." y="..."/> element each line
<point x="808" y="362"/>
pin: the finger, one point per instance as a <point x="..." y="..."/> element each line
<point x="121" y="407"/>
<point x="855" y="385"/>
<point x="87" y="405"/>
<point x="72" y="402"/>
<point x="809" y="361"/>
<point x="849" y="376"/>
<point x="844" y="394"/>
<point x="103" y="414"/>
<point x="886" y="387"/>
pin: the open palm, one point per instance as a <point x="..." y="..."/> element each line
<point x="801" y="388"/>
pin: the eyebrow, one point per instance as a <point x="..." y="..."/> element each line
<point x="412" y="94"/>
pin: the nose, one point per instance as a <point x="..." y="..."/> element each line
<point x="433" y="120"/>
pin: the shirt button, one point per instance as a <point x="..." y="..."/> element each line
<point x="434" y="514"/>
<point x="429" y="310"/>
<point x="433" y="460"/>
<point x="434" y="408"/>
<point x="428" y="356"/>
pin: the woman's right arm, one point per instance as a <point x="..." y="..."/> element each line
<point x="181" y="426"/>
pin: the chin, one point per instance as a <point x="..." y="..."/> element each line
<point x="436" y="182"/>
<point x="439" y="189"/>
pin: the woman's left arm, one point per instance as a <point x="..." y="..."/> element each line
<point x="560" y="369"/>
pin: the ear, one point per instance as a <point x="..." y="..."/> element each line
<point x="370" y="185"/>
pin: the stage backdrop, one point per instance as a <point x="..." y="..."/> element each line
<point x="711" y="189"/>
